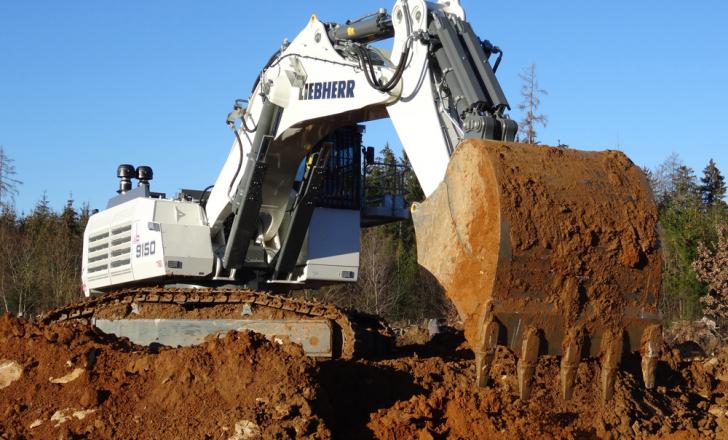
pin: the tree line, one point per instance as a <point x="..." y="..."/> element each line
<point x="40" y="258"/>
<point x="40" y="253"/>
<point x="693" y="220"/>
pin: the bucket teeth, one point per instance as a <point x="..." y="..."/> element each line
<point x="527" y="362"/>
<point x="569" y="364"/>
<point x="486" y="354"/>
<point x="650" y="347"/>
<point x="611" y="355"/>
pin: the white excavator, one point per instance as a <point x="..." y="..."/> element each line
<point x="286" y="211"/>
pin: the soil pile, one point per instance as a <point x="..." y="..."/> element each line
<point x="71" y="381"/>
<point x="76" y="382"/>
<point x="695" y="337"/>
<point x="690" y="400"/>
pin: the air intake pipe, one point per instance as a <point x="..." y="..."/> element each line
<point x="144" y="174"/>
<point x="125" y="173"/>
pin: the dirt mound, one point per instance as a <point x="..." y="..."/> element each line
<point x="77" y="382"/>
<point x="428" y="392"/>
<point x="72" y="381"/>
<point x="689" y="400"/>
<point x="697" y="338"/>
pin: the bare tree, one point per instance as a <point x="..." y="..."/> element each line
<point x="376" y="289"/>
<point x="377" y="273"/>
<point x="8" y="182"/>
<point x="662" y="178"/>
<point x="8" y="238"/>
<point x="531" y="93"/>
<point x="711" y="266"/>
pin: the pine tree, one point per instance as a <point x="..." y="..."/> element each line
<point x="8" y="182"/>
<point x="712" y="188"/>
<point x="685" y="190"/>
<point x="69" y="217"/>
<point x="531" y="92"/>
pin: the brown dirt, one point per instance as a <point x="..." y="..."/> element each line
<point x="695" y="337"/>
<point x="242" y="386"/>
<point x="238" y="383"/>
<point x="448" y="406"/>
<point x="567" y="236"/>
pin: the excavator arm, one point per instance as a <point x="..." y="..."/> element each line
<point x="437" y="87"/>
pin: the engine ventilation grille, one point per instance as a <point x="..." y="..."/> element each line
<point x="109" y="250"/>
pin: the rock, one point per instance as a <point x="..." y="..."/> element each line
<point x="706" y="423"/>
<point x="64" y="415"/>
<point x="61" y="416"/>
<point x="722" y="430"/>
<point x="36" y="423"/>
<point x="636" y="427"/>
<point x="70" y="377"/>
<point x="80" y="415"/>
<point x="10" y="371"/>
<point x="284" y="410"/>
<point x="245" y="429"/>
<point x="718" y="411"/>
<point x="89" y="398"/>
<point x="137" y="366"/>
<point x="433" y="327"/>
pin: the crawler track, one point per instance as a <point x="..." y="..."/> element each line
<point x="356" y="334"/>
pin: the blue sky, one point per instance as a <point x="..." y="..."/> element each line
<point x="86" y="85"/>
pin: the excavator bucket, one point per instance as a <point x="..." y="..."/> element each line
<point x="548" y="251"/>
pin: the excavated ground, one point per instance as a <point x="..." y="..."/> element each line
<point x="71" y="381"/>
<point x="76" y="382"/>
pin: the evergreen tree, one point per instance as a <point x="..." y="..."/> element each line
<point x="40" y="258"/>
<point x="8" y="182"/>
<point x="684" y="225"/>
<point x="685" y="190"/>
<point x="531" y="93"/>
<point x="70" y="218"/>
<point x="712" y="188"/>
<point x="379" y="180"/>
<point x="684" y="181"/>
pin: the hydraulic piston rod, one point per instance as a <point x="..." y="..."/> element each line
<point x="374" y="27"/>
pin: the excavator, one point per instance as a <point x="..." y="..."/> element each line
<point x="543" y="250"/>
